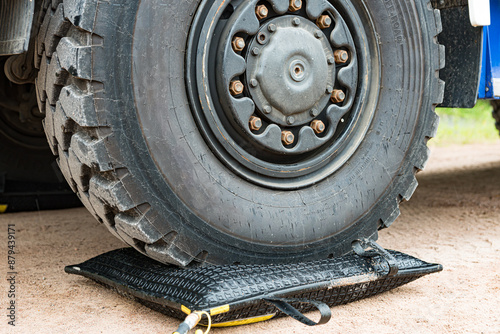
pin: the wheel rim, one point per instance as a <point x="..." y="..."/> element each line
<point x="280" y="114"/>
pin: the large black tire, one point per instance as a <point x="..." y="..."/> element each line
<point x="112" y="83"/>
<point x="496" y="112"/>
<point x="29" y="177"/>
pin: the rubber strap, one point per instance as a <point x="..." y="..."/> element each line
<point x="283" y="305"/>
<point x="359" y="247"/>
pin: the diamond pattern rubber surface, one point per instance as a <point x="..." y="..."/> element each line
<point x="166" y="288"/>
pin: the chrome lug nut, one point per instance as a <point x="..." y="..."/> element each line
<point x="341" y="56"/>
<point x="287" y="137"/>
<point x="255" y="123"/>
<point x="238" y="44"/>
<point x="236" y="87"/>
<point x="261" y="12"/>
<point x="324" y="21"/>
<point x="318" y="126"/>
<point x="295" y="5"/>
<point x="337" y="96"/>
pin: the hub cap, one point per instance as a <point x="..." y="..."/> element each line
<point x="291" y="71"/>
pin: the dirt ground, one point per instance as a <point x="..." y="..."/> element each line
<point x="453" y="219"/>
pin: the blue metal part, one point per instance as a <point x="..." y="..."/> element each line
<point x="490" y="67"/>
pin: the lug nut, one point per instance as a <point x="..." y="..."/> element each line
<point x="255" y="123"/>
<point x="255" y="51"/>
<point x="287" y="137"/>
<point x="290" y="120"/>
<point x="318" y="126"/>
<point x="236" y="87"/>
<point x="324" y="21"/>
<point x="296" y="21"/>
<point x="254" y="83"/>
<point x="268" y="109"/>
<point x="238" y="44"/>
<point x="337" y="96"/>
<point x="271" y="27"/>
<point x="261" y="12"/>
<point x="341" y="56"/>
<point x="295" y="5"/>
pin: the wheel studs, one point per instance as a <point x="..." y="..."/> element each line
<point x="287" y="137"/>
<point x="236" y="87"/>
<point x="318" y="126"/>
<point x="261" y="12"/>
<point x="295" y="5"/>
<point x="238" y="44"/>
<point x="324" y="21"/>
<point x="341" y="56"/>
<point x="337" y="96"/>
<point x="255" y="123"/>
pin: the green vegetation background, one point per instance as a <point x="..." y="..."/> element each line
<point x="465" y="126"/>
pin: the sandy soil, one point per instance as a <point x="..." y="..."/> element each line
<point x="453" y="219"/>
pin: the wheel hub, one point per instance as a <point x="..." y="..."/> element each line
<point x="277" y="89"/>
<point x="289" y="75"/>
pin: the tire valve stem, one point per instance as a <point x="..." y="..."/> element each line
<point x="318" y="126"/>
<point x="255" y="123"/>
<point x="287" y="137"/>
<point x="295" y="5"/>
<point x="261" y="12"/>
<point x="238" y="44"/>
<point x="236" y="87"/>
<point x="337" y="96"/>
<point x="324" y="21"/>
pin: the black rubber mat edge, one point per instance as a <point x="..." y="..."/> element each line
<point x="174" y="291"/>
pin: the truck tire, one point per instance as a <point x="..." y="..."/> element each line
<point x="29" y="177"/>
<point x="189" y="166"/>
<point x="496" y="112"/>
